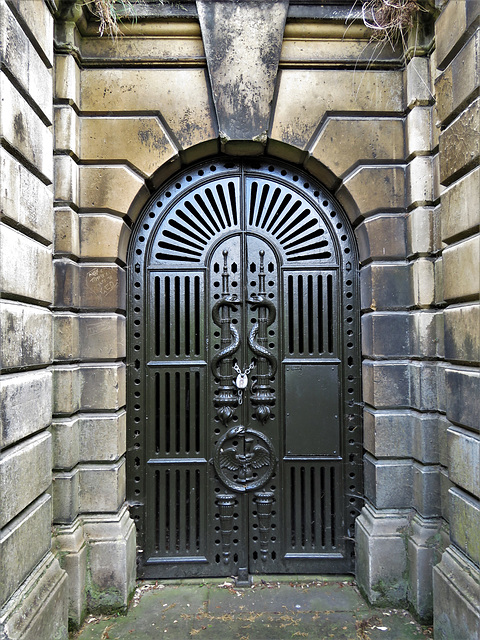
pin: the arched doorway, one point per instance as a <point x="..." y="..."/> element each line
<point x="244" y="375"/>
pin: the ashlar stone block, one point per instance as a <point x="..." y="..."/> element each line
<point x="65" y="498"/>
<point x="426" y="490"/>
<point x="424" y="551"/>
<point x="427" y="333"/>
<point x="20" y="551"/>
<point x="462" y="333"/>
<point x="38" y="610"/>
<point x="102" y="437"/>
<point x="426" y="437"/>
<point x="67" y="130"/>
<point x="461" y="276"/>
<point x="375" y="189"/>
<point x="381" y="559"/>
<point x="382" y="237"/>
<point x="66" y="180"/>
<point x="67" y="79"/>
<point x="66" y="284"/>
<point x="112" y="189"/>
<point x="464" y="459"/>
<point x="65" y="337"/>
<point x="423" y="282"/>
<point x="66" y="389"/>
<point x="320" y="91"/>
<point x="386" y="384"/>
<point x="102" y="237"/>
<point x="70" y="546"/>
<point x="23" y="62"/>
<point x="456" y="593"/>
<point x="460" y="144"/>
<point x="459" y="80"/>
<point x="388" y="433"/>
<point x="344" y="143"/>
<point x="465" y="523"/>
<point x="65" y="443"/>
<point x="419" y="131"/>
<point x="453" y="27"/>
<point x="25" y="405"/>
<point x="66" y="240"/>
<point x="112" y="560"/>
<point x="101" y="487"/>
<point x="386" y="286"/>
<point x="418" y="83"/>
<point x="424" y="385"/>
<point x="25" y="335"/>
<point x="25" y="473"/>
<point x="388" y="483"/>
<point x="102" y="287"/>
<point x="386" y="334"/>
<point x="102" y="336"/>
<point x="420" y="182"/>
<point x="22" y="128"/>
<point x="103" y="387"/>
<point x="39" y="18"/>
<point x="139" y="142"/>
<point x="25" y="266"/>
<point x="180" y="94"/>
<point x="458" y="216"/>
<point x="420" y="231"/>
<point x="24" y="198"/>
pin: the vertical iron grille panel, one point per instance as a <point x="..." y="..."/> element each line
<point x="178" y="528"/>
<point x="289" y="218"/>
<point x="177" y="315"/>
<point x="311" y="309"/>
<point x="177" y="406"/>
<point x="311" y="504"/>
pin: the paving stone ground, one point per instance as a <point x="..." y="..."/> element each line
<point x="271" y="609"/>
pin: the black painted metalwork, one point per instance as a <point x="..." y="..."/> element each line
<point x="245" y="446"/>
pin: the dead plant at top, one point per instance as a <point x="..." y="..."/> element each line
<point x="390" y="20"/>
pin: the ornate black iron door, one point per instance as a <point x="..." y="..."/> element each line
<point x="245" y="438"/>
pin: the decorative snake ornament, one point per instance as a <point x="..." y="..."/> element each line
<point x="257" y="301"/>
<point x="231" y="301"/>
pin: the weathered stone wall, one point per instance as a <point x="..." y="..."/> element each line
<point x="457" y="577"/>
<point x="32" y="602"/>
<point x="399" y="149"/>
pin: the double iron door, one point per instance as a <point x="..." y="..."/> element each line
<point x="244" y="432"/>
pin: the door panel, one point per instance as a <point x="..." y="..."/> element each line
<point x="244" y="427"/>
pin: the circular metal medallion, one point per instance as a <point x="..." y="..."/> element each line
<point x="244" y="459"/>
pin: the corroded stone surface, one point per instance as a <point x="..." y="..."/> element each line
<point x="25" y="335"/>
<point x="458" y="216"/>
<point x="109" y="188"/>
<point x="460" y="144"/>
<point x="459" y="80"/>
<point x="24" y="198"/>
<point x="462" y="333"/>
<point x="180" y="95"/>
<point x="305" y="96"/>
<point x="242" y="45"/>
<point x="20" y="551"/>
<point x="25" y="404"/>
<point x="25" y="473"/>
<point x="344" y="142"/>
<point x="461" y="278"/>
<point x="140" y="142"/>
<point x="25" y="266"/>
<point x="464" y="459"/>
